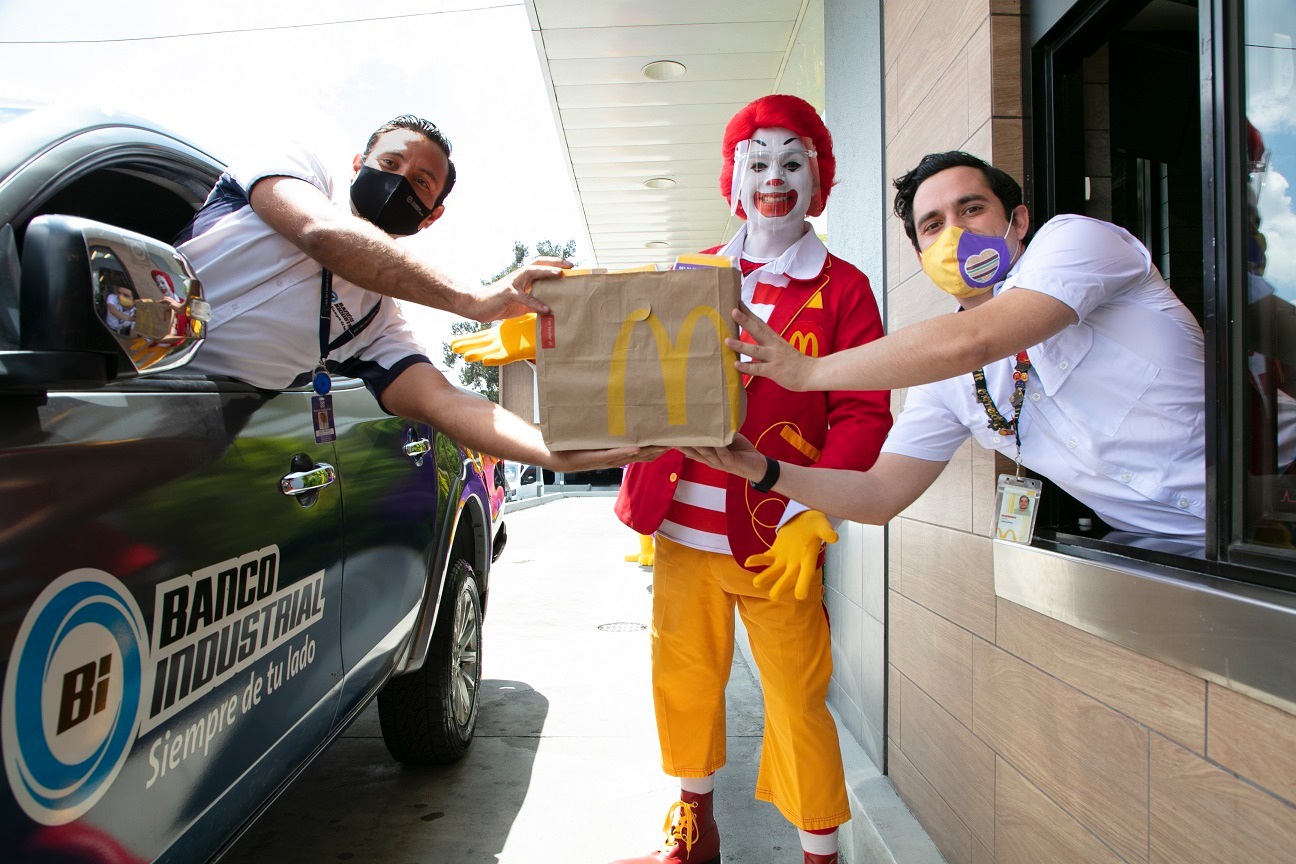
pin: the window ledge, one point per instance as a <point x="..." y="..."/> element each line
<point x="1234" y="634"/>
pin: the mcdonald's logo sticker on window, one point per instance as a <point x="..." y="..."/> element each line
<point x="674" y="356"/>
<point x="806" y="343"/>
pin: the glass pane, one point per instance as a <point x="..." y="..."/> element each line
<point x="1269" y="409"/>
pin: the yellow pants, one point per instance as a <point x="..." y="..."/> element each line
<point x="694" y="594"/>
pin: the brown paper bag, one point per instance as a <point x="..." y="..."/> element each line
<point x="639" y="358"/>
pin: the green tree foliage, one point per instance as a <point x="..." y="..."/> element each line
<point x="477" y="376"/>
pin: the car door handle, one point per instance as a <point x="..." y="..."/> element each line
<point x="416" y="449"/>
<point x="302" y="482"/>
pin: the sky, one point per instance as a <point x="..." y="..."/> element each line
<point x="470" y="66"/>
<point x="1271" y="108"/>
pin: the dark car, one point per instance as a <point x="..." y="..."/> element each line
<point x="195" y="595"/>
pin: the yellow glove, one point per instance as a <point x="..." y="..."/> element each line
<point x="511" y="339"/>
<point x="792" y="558"/>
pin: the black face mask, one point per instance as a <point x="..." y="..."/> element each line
<point x="387" y="200"/>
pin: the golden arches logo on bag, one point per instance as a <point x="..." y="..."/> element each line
<point x="674" y="364"/>
<point x="806" y="343"/>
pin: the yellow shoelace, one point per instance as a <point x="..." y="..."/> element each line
<point x="681" y="826"/>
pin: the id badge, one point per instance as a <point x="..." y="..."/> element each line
<point x="322" y="418"/>
<point x="1016" y="501"/>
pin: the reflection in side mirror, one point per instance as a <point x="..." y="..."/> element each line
<point x="147" y="296"/>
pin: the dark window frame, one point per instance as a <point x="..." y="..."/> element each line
<point x="1074" y="32"/>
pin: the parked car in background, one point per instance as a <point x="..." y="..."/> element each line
<point x="195" y="595"/>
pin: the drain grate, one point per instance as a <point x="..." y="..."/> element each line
<point x="622" y="627"/>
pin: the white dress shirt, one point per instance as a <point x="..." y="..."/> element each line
<point x="1115" y="405"/>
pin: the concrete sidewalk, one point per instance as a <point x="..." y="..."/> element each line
<point x="565" y="767"/>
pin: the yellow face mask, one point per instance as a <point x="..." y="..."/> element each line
<point x="964" y="264"/>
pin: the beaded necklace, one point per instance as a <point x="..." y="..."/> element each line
<point x="1021" y="373"/>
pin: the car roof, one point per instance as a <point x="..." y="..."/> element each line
<point x="30" y="130"/>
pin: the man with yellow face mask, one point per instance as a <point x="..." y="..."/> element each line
<point x="1070" y="356"/>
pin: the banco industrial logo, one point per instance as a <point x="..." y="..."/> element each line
<point x="85" y="679"/>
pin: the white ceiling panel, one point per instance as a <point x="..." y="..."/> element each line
<point x="632" y="186"/>
<point x="645" y="135"/>
<point x="659" y="153"/>
<point x="619" y="128"/>
<point x="709" y="168"/>
<point x="649" y="196"/>
<point x="660" y="93"/>
<point x="657" y="208"/>
<point x="668" y="40"/>
<point x="648" y="115"/>
<point x="558" y="14"/>
<point x="701" y="67"/>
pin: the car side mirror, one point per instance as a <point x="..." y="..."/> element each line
<point x="92" y="289"/>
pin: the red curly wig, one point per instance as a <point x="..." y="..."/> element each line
<point x="787" y="112"/>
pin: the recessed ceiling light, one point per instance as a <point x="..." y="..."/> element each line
<point x="656" y="244"/>
<point x="664" y="70"/>
<point x="659" y="183"/>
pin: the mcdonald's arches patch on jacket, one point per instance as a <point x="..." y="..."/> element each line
<point x="638" y="359"/>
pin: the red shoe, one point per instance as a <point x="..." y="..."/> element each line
<point x="812" y="858"/>
<point x="691" y="834"/>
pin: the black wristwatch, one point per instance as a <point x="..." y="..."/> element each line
<point x="771" y="477"/>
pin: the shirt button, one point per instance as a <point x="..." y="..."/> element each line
<point x="1034" y="397"/>
<point x="1072" y="444"/>
<point x="1183" y="503"/>
<point x="1125" y="476"/>
<point x="1064" y="365"/>
<point x="674" y="477"/>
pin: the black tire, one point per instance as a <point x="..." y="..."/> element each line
<point x="428" y="717"/>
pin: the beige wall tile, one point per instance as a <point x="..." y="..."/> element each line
<point x="928" y="127"/>
<point x="1089" y="759"/>
<point x="954" y="761"/>
<point x="1006" y="89"/>
<point x="980" y="141"/>
<point x="900" y="17"/>
<point x="915" y="298"/>
<point x="1202" y="813"/>
<point x="895" y="686"/>
<point x="930" y="61"/>
<point x="948" y="501"/>
<point x="1256" y="740"/>
<point x="895" y="555"/>
<point x="891" y="97"/>
<point x="1170" y="701"/>
<point x="934" y="654"/>
<point x="985" y="475"/>
<point x="951" y="573"/>
<point x="978" y="76"/>
<point x="950" y="835"/>
<point x="1030" y="829"/>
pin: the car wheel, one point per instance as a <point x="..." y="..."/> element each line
<point x="428" y="716"/>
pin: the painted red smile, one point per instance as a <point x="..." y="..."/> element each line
<point x="776" y="204"/>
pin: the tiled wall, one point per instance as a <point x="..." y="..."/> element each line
<point x="1015" y="738"/>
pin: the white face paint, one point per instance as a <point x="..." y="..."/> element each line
<point x="776" y="177"/>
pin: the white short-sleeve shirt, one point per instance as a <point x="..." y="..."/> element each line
<point x="1115" y="405"/>
<point x="265" y="292"/>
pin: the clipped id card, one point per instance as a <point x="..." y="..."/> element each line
<point x="322" y="419"/>
<point x="1016" y="501"/>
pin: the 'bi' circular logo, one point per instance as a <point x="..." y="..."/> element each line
<point x="72" y="695"/>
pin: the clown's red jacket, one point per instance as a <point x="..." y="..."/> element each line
<point x="830" y="308"/>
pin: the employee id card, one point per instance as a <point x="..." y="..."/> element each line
<point x="322" y="418"/>
<point x="1016" y="500"/>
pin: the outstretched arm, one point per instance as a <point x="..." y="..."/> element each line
<point x="361" y="253"/>
<point x="874" y="497"/>
<point x="931" y="350"/>
<point x="423" y="393"/>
